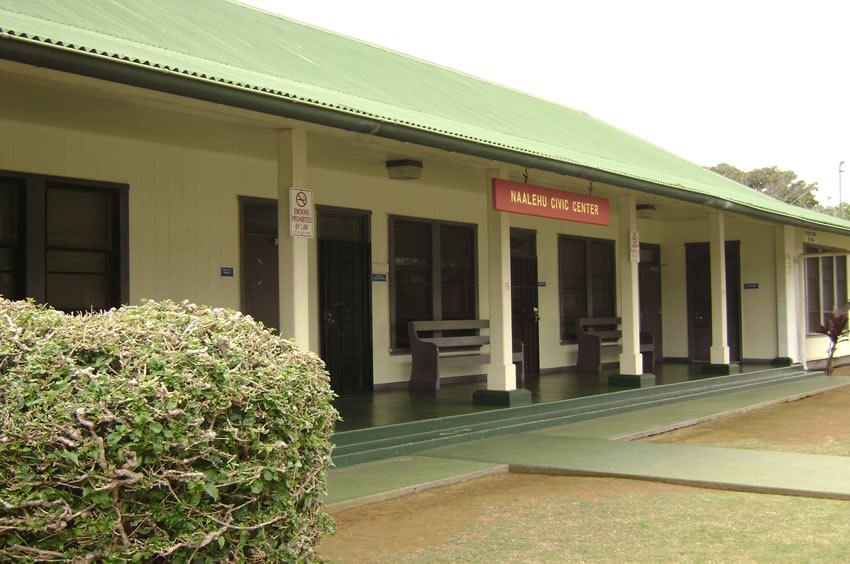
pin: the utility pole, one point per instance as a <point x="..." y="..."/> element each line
<point x="840" y="205"/>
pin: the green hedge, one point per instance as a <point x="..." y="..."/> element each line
<point x="161" y="431"/>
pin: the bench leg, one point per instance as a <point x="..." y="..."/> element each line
<point x="648" y="360"/>
<point x="520" y="373"/>
<point x="589" y="360"/>
<point x="424" y="373"/>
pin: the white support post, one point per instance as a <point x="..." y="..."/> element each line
<point x="293" y="253"/>
<point x="802" y="313"/>
<point x="501" y="373"/>
<point x="631" y="359"/>
<point x="719" y="333"/>
<point x="786" y="291"/>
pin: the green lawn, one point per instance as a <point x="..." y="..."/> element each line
<point x="593" y="519"/>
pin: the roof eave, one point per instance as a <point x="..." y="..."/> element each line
<point x="92" y="65"/>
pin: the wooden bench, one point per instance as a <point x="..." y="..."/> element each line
<point x="595" y="333"/>
<point x="437" y="350"/>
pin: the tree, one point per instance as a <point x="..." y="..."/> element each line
<point x="731" y="172"/>
<point x="780" y="184"/>
<point x="842" y="211"/>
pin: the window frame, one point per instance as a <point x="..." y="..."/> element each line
<point x="836" y="278"/>
<point x="34" y="189"/>
<point x="588" y="281"/>
<point x="436" y="278"/>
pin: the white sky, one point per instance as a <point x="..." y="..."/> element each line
<point x="752" y="83"/>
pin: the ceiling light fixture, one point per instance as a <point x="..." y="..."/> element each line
<point x="404" y="169"/>
<point x="645" y="211"/>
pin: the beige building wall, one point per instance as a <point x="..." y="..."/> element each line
<point x="462" y="199"/>
<point x="674" y="298"/>
<point x="385" y="198"/>
<point x="183" y="207"/>
<point x="184" y="226"/>
<point x="758" y="306"/>
<point x="554" y="354"/>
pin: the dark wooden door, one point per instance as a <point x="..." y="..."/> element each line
<point x="524" y="307"/>
<point x="649" y="281"/>
<point x="260" y="288"/>
<point x="698" y="272"/>
<point x="345" y="299"/>
<point x="733" y="298"/>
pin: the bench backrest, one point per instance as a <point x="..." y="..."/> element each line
<point x="450" y="325"/>
<point x="444" y="334"/>
<point x="605" y="327"/>
<point x="457" y="342"/>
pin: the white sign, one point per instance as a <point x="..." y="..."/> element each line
<point x="300" y="212"/>
<point x="634" y="246"/>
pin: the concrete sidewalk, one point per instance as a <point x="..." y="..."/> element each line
<point x="597" y="447"/>
<point x="723" y="468"/>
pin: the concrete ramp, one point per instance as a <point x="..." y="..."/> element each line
<point x="709" y="467"/>
<point x="595" y="442"/>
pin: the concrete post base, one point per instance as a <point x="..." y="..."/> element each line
<point x="504" y="398"/>
<point x="720" y="369"/>
<point x="632" y="380"/>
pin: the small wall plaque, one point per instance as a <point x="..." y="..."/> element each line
<point x="227" y="272"/>
<point x="634" y="247"/>
<point x="751" y="285"/>
<point x="379" y="277"/>
<point x="541" y="284"/>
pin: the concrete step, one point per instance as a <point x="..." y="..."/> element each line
<point x="363" y="445"/>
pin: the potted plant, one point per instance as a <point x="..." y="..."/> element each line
<point x="836" y="330"/>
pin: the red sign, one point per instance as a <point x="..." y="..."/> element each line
<point x="547" y="202"/>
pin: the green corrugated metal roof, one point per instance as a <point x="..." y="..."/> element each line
<point x="239" y="46"/>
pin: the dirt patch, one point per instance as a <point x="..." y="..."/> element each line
<point x="818" y="424"/>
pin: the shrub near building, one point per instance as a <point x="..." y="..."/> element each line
<point x="158" y="431"/>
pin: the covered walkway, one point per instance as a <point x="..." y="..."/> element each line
<point x="388" y="407"/>
<point x="600" y="446"/>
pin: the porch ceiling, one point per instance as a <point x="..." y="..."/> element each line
<point x="49" y="99"/>
<point x="62" y="100"/>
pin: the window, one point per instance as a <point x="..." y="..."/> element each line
<point x="63" y="242"/>
<point x="586" y="280"/>
<point x="433" y="270"/>
<point x="11" y="239"/>
<point x="826" y="286"/>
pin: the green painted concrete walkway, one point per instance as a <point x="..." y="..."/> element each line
<point x="597" y="447"/>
